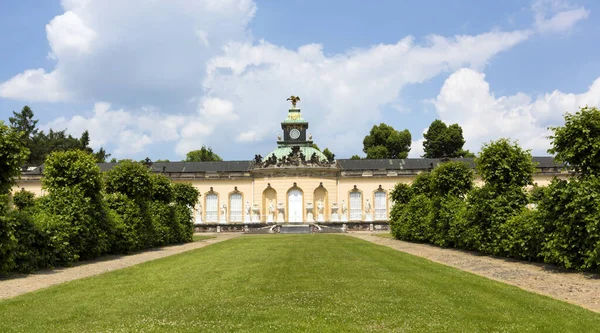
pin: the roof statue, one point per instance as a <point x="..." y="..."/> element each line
<point x="294" y="100"/>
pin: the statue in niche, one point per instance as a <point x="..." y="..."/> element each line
<point x="224" y="209"/>
<point x="320" y="206"/>
<point x="248" y="207"/>
<point x="272" y="207"/>
<point x="294" y="100"/>
<point x="368" y="207"/>
<point x="344" y="207"/>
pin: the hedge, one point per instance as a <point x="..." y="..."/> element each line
<point x="86" y="214"/>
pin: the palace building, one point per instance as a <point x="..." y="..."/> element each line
<point x="295" y="184"/>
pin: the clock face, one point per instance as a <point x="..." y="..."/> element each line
<point x="294" y="134"/>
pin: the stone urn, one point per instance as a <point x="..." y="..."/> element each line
<point x="309" y="212"/>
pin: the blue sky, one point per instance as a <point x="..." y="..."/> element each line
<point x="159" y="79"/>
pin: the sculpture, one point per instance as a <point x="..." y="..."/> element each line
<point x="344" y="207"/>
<point x="320" y="206"/>
<point x="294" y="100"/>
<point x="368" y="207"/>
<point x="309" y="137"/>
<point x="271" y="207"/>
<point x="224" y="209"/>
<point x="248" y="207"/>
<point x="278" y="137"/>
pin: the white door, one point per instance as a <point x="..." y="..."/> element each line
<point x="295" y="206"/>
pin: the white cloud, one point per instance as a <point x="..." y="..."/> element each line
<point x="466" y="99"/>
<point x="69" y="36"/>
<point x="199" y="54"/>
<point x="128" y="131"/>
<point x="557" y="15"/>
<point x="127" y="52"/>
<point x="35" y="85"/>
<point x="341" y="93"/>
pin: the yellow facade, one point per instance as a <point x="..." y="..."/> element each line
<point x="258" y="189"/>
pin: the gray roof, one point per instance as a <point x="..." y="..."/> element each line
<point x="183" y="167"/>
<point x="344" y="164"/>
<point x="423" y="163"/>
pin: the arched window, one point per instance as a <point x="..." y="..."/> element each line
<point x="235" y="207"/>
<point x="212" y="207"/>
<point x="355" y="206"/>
<point x="380" y="206"/>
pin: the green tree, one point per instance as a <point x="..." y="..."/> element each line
<point x="355" y="157"/>
<point x="504" y="165"/>
<point x="330" y="156"/>
<point x="202" y="155"/>
<point x="384" y="141"/>
<point x="13" y="154"/>
<point x="101" y="155"/>
<point x="577" y="143"/>
<point x="85" y="142"/>
<point x="444" y="141"/>
<point x="23" y="122"/>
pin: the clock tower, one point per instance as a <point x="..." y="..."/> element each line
<point x="295" y="147"/>
<point x="294" y="130"/>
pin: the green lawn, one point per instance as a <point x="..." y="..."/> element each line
<point x="290" y="283"/>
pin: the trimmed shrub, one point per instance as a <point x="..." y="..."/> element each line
<point x="571" y="216"/>
<point x="504" y="165"/>
<point x="133" y="228"/>
<point x="451" y="178"/>
<point x="7" y="237"/>
<point x="487" y="211"/>
<point x="422" y="184"/>
<point x="162" y="188"/>
<point x="131" y="179"/>
<point x="32" y="251"/>
<point x="72" y="168"/>
<point x="401" y="194"/>
<point x="413" y="221"/>
<point x="23" y="199"/>
<point x="185" y="194"/>
<point x="522" y="236"/>
<point x="78" y="225"/>
<point x="447" y="221"/>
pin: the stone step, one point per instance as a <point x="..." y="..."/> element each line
<point x="295" y="229"/>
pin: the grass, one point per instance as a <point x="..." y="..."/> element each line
<point x="290" y="283"/>
<point x="197" y="238"/>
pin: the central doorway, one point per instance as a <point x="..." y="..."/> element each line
<point x="295" y="206"/>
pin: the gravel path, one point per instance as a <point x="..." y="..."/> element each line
<point x="577" y="288"/>
<point x="17" y="284"/>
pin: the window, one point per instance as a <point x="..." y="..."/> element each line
<point x="212" y="207"/>
<point x="355" y="206"/>
<point x="235" y="207"/>
<point x="380" y="206"/>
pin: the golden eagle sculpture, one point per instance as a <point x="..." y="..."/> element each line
<point x="294" y="100"/>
